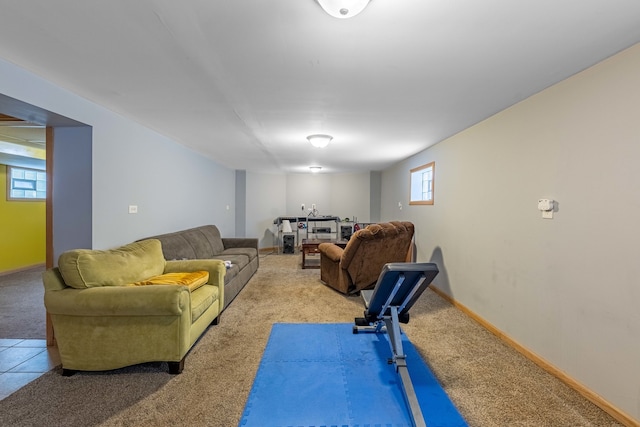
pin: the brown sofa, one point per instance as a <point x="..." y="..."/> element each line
<point x="358" y="265"/>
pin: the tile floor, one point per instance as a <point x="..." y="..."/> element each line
<point x="22" y="361"/>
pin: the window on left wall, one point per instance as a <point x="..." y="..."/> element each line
<point x="26" y="184"/>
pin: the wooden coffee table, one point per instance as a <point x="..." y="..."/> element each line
<point x="310" y="247"/>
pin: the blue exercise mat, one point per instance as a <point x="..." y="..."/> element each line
<point x="323" y="375"/>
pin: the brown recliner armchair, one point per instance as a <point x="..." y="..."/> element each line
<point x="358" y="265"/>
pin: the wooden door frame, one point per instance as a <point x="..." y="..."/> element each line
<point x="49" y="222"/>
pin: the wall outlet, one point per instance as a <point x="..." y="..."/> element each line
<point x="133" y="209"/>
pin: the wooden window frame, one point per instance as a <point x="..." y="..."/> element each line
<point x="10" y="198"/>
<point x="432" y="166"/>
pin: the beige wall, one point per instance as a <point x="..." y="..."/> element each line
<point x="566" y="288"/>
<point x="271" y="196"/>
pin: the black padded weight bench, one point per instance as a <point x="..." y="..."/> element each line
<point x="386" y="306"/>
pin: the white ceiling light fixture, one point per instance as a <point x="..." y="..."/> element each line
<point x="315" y="169"/>
<point x="319" y="140"/>
<point x="343" y="9"/>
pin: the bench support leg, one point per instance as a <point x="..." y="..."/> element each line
<point x="391" y="325"/>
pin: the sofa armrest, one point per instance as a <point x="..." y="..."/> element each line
<point x="156" y="300"/>
<point x="215" y="267"/>
<point x="331" y="251"/>
<point x="239" y="242"/>
<point x="52" y="280"/>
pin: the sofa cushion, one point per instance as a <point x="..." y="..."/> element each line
<point x="198" y="242"/>
<point x="251" y="253"/>
<point x="212" y="235"/>
<point x="192" y="280"/>
<point x="175" y="246"/>
<point x="195" y="243"/>
<point x="202" y="299"/>
<point x="240" y="260"/>
<point x="86" y="268"/>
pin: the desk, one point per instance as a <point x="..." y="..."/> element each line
<point x="331" y="230"/>
<point x="310" y="247"/>
<point x="299" y="223"/>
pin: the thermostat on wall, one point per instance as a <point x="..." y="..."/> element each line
<point x="546" y="206"/>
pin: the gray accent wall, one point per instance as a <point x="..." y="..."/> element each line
<point x="375" y="194"/>
<point x="71" y="189"/>
<point x="241" y="203"/>
<point x="567" y="288"/>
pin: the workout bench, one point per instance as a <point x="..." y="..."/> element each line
<point x="386" y="306"/>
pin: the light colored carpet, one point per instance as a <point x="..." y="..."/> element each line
<point x="491" y="384"/>
<point x="22" y="312"/>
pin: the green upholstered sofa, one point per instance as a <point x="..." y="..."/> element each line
<point x="205" y="242"/>
<point x="114" y="308"/>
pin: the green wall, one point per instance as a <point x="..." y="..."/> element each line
<point x="22" y="230"/>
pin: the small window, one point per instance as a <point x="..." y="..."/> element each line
<point x="26" y="184"/>
<point x="422" y="179"/>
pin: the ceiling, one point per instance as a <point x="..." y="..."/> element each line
<point x="22" y="143"/>
<point x="244" y="82"/>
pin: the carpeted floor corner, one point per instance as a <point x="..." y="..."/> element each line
<point x="490" y="383"/>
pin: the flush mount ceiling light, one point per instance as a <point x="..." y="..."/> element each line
<point x="343" y="9"/>
<point x="319" y="141"/>
<point x="315" y="169"/>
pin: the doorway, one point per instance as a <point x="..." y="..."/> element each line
<point x="69" y="183"/>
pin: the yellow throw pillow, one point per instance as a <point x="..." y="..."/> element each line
<point x="192" y="280"/>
